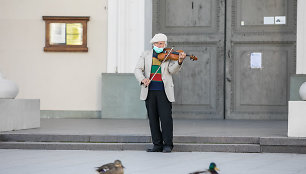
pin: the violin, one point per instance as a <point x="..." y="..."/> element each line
<point x="174" y="55"/>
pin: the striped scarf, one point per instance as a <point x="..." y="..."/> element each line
<point x="157" y="82"/>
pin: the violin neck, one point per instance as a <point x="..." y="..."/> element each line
<point x="177" y="53"/>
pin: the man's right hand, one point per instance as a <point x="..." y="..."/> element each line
<point x="146" y="82"/>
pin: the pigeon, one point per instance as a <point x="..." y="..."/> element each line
<point x="212" y="169"/>
<point x="111" y="168"/>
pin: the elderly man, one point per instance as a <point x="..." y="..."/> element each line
<point x="158" y="93"/>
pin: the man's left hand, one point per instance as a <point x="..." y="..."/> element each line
<point x="182" y="56"/>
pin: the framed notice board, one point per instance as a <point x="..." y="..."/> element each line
<point x="66" y="33"/>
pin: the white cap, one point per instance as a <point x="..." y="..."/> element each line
<point x="159" y="37"/>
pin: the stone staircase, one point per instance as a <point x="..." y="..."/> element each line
<point x="138" y="142"/>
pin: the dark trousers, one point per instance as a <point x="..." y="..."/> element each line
<point x="160" y="113"/>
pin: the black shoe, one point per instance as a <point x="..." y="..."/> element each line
<point x="155" y="149"/>
<point x="167" y="149"/>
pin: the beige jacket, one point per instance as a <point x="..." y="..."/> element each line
<point x="143" y="70"/>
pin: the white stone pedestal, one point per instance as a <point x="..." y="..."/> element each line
<point x="16" y="114"/>
<point x="297" y="119"/>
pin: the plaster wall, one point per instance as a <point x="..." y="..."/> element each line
<point x="64" y="80"/>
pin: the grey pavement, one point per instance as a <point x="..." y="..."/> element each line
<point x="211" y="128"/>
<point x="140" y="162"/>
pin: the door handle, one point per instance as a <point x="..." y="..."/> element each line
<point x="229" y="53"/>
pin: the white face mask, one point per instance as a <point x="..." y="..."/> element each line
<point x="158" y="50"/>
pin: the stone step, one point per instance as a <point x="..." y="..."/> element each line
<point x="283" y="145"/>
<point x="180" y="147"/>
<point x="123" y="139"/>
<point x="141" y="142"/>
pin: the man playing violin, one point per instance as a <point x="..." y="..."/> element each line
<point x="157" y="89"/>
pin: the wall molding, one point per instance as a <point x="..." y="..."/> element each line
<point x="69" y="114"/>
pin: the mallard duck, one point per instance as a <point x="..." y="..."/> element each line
<point x="111" y="168"/>
<point x="212" y="169"/>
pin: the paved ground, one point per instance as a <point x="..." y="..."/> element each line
<point x="231" y="128"/>
<point x="139" y="162"/>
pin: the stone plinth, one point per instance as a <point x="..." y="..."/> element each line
<point x="297" y="119"/>
<point x="120" y="97"/>
<point x="16" y="114"/>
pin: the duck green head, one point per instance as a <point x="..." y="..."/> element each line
<point x="213" y="167"/>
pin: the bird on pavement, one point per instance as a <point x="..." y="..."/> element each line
<point x="111" y="168"/>
<point x="212" y="169"/>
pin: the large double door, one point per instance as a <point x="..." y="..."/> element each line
<point x="246" y="54"/>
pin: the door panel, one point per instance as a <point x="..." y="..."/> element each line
<point x="186" y="16"/>
<point x="199" y="13"/>
<point x="253" y="12"/>
<point x="259" y="93"/>
<point x="261" y="87"/>
<point x="197" y="27"/>
<point x="192" y="88"/>
<point x="195" y="84"/>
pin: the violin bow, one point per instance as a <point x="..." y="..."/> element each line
<point x="160" y="65"/>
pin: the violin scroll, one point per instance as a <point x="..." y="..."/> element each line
<point x="193" y="58"/>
